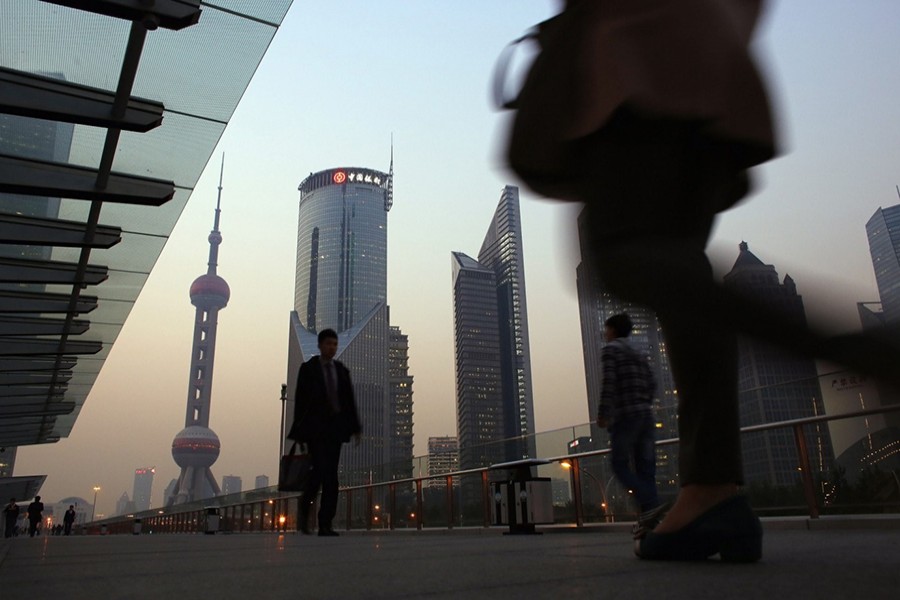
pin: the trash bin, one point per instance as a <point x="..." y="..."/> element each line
<point x="136" y="529"/>
<point x="212" y="520"/>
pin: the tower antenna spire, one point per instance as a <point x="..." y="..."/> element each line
<point x="215" y="236"/>
<point x="389" y="197"/>
<point x="219" y="198"/>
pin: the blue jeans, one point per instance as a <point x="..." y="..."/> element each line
<point x="633" y="440"/>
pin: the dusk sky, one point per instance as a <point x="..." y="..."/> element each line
<point x="339" y="79"/>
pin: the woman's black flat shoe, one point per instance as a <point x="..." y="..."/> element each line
<point x="729" y="529"/>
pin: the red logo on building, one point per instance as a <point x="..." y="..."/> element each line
<point x="339" y="177"/>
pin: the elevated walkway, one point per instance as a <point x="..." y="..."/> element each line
<point x="840" y="557"/>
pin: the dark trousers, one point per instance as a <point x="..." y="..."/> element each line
<point x="652" y="191"/>
<point x="67" y="528"/>
<point x="325" y="455"/>
<point x="10" y="529"/>
<point x="33" y="526"/>
<point x="632" y="441"/>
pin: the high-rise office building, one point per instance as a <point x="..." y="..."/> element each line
<point x="124" y="505"/>
<point x="401" y="414"/>
<point x="341" y="283"/>
<point x="231" y="484"/>
<point x="595" y="306"/>
<point x="883" y="231"/>
<point x="443" y="457"/>
<point x="261" y="481"/>
<point x="774" y="385"/>
<point x="494" y="398"/>
<point x="196" y="447"/>
<point x="143" y="484"/>
<point x="874" y="438"/>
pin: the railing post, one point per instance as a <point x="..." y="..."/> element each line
<point x="449" y="501"/>
<point x="486" y="498"/>
<point x="369" y="491"/>
<point x="806" y="472"/>
<point x="392" y="501"/>
<point x="349" y="507"/>
<point x="420" y="518"/>
<point x="576" y="493"/>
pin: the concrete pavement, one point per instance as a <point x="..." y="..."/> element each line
<point x="842" y="559"/>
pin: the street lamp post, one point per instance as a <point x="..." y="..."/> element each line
<point x="281" y="434"/>
<point x="605" y="506"/>
<point x="94" y="507"/>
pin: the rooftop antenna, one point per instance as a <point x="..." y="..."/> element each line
<point x="219" y="198"/>
<point x="389" y="197"/>
<point x="215" y="237"/>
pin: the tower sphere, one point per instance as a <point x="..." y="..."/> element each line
<point x="210" y="291"/>
<point x="195" y="446"/>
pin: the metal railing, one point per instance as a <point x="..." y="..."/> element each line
<point x="376" y="504"/>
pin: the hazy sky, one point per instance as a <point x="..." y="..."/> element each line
<point x="339" y="78"/>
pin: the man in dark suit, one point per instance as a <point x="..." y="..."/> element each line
<point x="325" y="417"/>
<point x="35" y="510"/>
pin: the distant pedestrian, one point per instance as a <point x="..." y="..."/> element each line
<point x="626" y="410"/>
<point x="11" y="514"/>
<point x="325" y="417"/>
<point x="69" y="520"/>
<point x="35" y="511"/>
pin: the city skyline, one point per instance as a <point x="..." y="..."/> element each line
<point x="834" y="95"/>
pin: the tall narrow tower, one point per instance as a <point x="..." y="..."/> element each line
<point x="196" y="447"/>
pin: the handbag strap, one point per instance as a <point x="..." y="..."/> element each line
<point x="501" y="67"/>
<point x="501" y="71"/>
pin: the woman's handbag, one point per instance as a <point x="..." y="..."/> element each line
<point x="538" y="149"/>
<point x="294" y="470"/>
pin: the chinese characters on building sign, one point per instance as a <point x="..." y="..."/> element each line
<point x="353" y="177"/>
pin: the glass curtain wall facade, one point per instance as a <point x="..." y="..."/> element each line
<point x="494" y="398"/>
<point x="502" y="252"/>
<point x="479" y="395"/>
<point x="401" y="415"/>
<point x="883" y="231"/>
<point x="143" y="486"/>
<point x="341" y="283"/>
<point x="775" y="386"/>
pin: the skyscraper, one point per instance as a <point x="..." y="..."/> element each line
<point x="124" y="505"/>
<point x="401" y="414"/>
<point x="261" y="481"/>
<point x="494" y="399"/>
<point x="595" y="306"/>
<point x="774" y="385"/>
<point x="341" y="283"/>
<point x="443" y="457"/>
<point x="196" y="447"/>
<point x="231" y="484"/>
<point x="883" y="231"/>
<point x="143" y="484"/>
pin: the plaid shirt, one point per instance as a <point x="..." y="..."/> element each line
<point x="628" y="383"/>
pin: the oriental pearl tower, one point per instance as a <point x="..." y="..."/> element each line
<point x="196" y="447"/>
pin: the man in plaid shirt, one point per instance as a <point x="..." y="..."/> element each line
<point x="626" y="410"/>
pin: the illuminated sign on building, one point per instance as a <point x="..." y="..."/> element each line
<point x="343" y="176"/>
